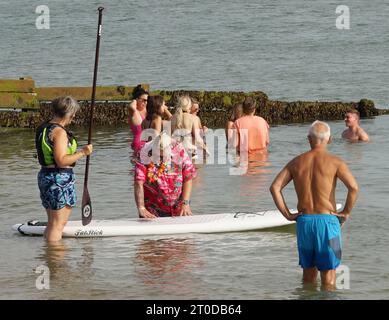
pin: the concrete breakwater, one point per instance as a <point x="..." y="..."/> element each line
<point x="112" y="105"/>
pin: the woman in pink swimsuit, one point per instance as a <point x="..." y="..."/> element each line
<point x="137" y="113"/>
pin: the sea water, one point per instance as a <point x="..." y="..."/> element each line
<point x="289" y="49"/>
<point x="242" y="265"/>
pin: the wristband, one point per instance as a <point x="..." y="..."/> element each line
<point x="186" y="202"/>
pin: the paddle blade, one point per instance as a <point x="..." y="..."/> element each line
<point x="86" y="209"/>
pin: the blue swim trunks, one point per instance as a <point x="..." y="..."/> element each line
<point x="319" y="241"/>
<point x="56" y="188"/>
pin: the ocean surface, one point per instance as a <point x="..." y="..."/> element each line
<point x="242" y="265"/>
<point x="291" y="50"/>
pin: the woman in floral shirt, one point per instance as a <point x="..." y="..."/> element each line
<point x="163" y="182"/>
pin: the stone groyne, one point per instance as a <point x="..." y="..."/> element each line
<point x="112" y="107"/>
<point x="215" y="107"/>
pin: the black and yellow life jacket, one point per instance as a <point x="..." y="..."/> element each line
<point x="44" y="145"/>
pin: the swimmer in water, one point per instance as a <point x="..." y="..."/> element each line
<point x="354" y="132"/>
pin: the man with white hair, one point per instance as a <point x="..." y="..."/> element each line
<point x="163" y="179"/>
<point x="314" y="174"/>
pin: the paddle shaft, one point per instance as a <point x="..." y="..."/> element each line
<point x="93" y="93"/>
<point x="86" y="210"/>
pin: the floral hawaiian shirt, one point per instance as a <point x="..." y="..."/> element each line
<point x="163" y="182"/>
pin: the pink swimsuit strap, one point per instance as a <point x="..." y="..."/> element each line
<point x="136" y="131"/>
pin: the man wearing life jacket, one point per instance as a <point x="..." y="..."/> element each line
<point x="57" y="153"/>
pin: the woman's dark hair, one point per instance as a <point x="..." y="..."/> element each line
<point x="237" y="112"/>
<point x="138" y="91"/>
<point x="154" y="103"/>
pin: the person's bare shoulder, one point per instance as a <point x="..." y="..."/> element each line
<point x="334" y="160"/>
<point x="298" y="160"/>
<point x="196" y="119"/>
<point x="362" y="135"/>
<point x="57" y="133"/>
<point x="156" y="123"/>
<point x="302" y="156"/>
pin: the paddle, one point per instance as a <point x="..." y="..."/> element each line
<point x="86" y="209"/>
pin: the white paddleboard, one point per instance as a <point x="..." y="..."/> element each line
<point x="206" y="223"/>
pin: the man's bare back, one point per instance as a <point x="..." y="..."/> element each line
<point x="314" y="176"/>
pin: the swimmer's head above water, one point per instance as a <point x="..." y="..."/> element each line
<point x="351" y="118"/>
